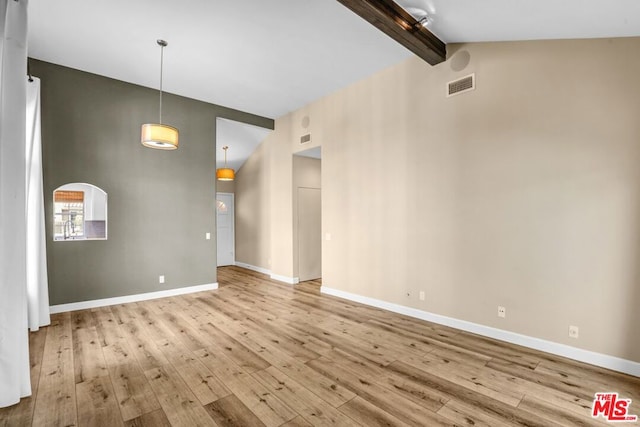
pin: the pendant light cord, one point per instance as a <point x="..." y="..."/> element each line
<point x="161" y="66"/>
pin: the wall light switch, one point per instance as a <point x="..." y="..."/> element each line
<point x="327" y="236"/>
<point x="161" y="279"/>
<point x="207" y="236"/>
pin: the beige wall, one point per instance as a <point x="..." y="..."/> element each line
<point x="522" y="193"/>
<point x="264" y="205"/>
<point x="253" y="209"/>
<point x="265" y="188"/>
<point x="281" y="198"/>
<point x="306" y="172"/>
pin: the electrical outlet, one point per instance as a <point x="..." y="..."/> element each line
<point x="502" y="312"/>
<point x="421" y="295"/>
<point x="574" y="331"/>
<point x="161" y="279"/>
<point x="207" y="236"/>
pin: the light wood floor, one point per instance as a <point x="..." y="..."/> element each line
<point x="259" y="353"/>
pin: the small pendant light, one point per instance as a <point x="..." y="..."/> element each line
<point x="225" y="173"/>
<point x="157" y="135"/>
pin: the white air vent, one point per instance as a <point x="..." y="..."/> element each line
<point x="462" y="85"/>
<point x="305" y="138"/>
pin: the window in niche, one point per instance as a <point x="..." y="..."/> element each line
<point x="79" y="213"/>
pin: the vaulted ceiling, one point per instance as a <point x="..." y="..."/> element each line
<point x="272" y="57"/>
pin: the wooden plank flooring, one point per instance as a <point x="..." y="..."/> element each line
<point x="260" y="353"/>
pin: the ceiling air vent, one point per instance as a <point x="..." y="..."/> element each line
<point x="462" y="85"/>
<point x="305" y="138"/>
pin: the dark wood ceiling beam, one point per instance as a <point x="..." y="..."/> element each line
<point x="398" y="24"/>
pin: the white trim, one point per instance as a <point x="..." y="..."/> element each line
<point x="603" y="360"/>
<point x="253" y="267"/>
<point x="279" y="278"/>
<point x="285" y="279"/>
<point x="83" y="305"/>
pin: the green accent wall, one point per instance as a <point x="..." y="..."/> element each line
<point x="160" y="203"/>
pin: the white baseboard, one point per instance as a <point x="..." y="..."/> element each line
<point x="285" y="279"/>
<point x="598" y="359"/>
<point x="279" y="278"/>
<point x="83" y="305"/>
<point x="253" y="267"/>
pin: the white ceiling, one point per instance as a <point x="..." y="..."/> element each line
<point x="273" y="57"/>
<point x="457" y="21"/>
<point x="241" y="138"/>
<point x="264" y="57"/>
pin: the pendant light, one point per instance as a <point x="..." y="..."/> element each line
<point x="225" y="173"/>
<point x="157" y="135"/>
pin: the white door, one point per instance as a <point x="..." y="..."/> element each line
<point x="225" y="233"/>
<point x="309" y="234"/>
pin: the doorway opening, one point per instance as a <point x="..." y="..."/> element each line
<point x="225" y="229"/>
<point x="242" y="140"/>
<point x="307" y="205"/>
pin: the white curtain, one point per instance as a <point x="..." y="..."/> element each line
<point x="37" y="282"/>
<point x="14" y="341"/>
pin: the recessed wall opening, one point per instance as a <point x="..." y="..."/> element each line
<point x="307" y="206"/>
<point x="241" y="140"/>
<point x="79" y="212"/>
